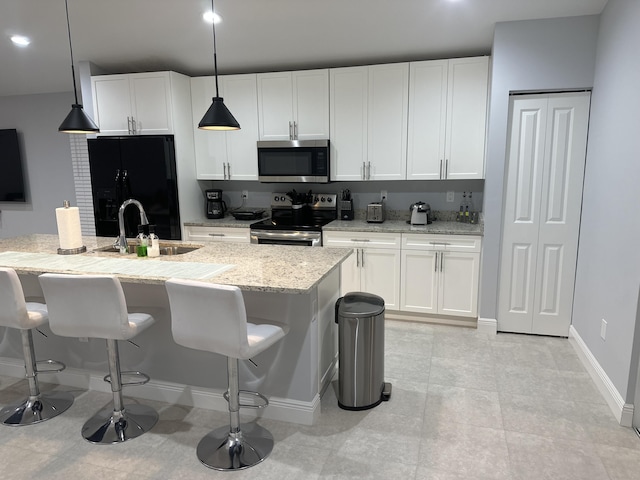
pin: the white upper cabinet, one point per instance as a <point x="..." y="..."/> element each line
<point x="294" y="105"/>
<point x="447" y="118"/>
<point x="133" y="104"/>
<point x="226" y="155"/>
<point x="369" y="122"/>
<point x="348" y="108"/>
<point x="387" y="121"/>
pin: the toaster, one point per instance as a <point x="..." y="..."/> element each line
<point x="375" y="212"/>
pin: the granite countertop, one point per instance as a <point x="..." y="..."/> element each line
<point x="267" y="268"/>
<point x="401" y="226"/>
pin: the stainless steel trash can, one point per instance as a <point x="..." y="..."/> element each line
<point x="360" y="319"/>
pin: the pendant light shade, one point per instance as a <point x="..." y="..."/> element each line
<point x="218" y="117"/>
<point x="77" y="121"/>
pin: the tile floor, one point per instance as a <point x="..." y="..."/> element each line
<point x="464" y="406"/>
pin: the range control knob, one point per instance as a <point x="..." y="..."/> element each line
<point x="329" y="199"/>
<point x="322" y="199"/>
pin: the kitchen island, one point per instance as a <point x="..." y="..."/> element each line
<point x="296" y="287"/>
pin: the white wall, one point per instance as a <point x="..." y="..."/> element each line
<point x="46" y="157"/>
<point x="532" y="55"/>
<point x="608" y="272"/>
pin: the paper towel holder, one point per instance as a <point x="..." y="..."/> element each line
<point x="70" y="251"/>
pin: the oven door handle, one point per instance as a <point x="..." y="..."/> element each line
<point x="287" y="237"/>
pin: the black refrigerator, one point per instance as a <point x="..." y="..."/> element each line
<point x="138" y="167"/>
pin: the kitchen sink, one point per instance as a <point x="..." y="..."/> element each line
<point x="164" y="249"/>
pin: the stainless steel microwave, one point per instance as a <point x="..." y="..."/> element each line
<point x="295" y="161"/>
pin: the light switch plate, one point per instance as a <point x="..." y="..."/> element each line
<point x="451" y="196"/>
<point x="603" y="329"/>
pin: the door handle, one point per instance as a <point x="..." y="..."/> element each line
<point x="228" y="171"/>
<point x="446" y="168"/>
<point x="440" y="168"/>
<point x="441" y="260"/>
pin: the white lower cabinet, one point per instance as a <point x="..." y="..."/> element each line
<point x="440" y="274"/>
<point x="374" y="266"/>
<point x="216" y="234"/>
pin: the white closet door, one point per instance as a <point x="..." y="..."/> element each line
<point x="547" y="146"/>
<point x="561" y="203"/>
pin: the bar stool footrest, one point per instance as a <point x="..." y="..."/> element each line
<point x="49" y="366"/>
<point x="265" y="400"/>
<point x="133" y="374"/>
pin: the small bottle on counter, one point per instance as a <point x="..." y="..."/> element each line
<point x="153" y="246"/>
<point x="141" y="248"/>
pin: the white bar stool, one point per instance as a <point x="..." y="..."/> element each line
<point x="16" y="313"/>
<point x="210" y="317"/>
<point x="95" y="306"/>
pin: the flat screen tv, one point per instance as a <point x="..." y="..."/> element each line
<point x="11" y="176"/>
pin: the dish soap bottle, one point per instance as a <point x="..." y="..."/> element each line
<point x="153" y="247"/>
<point x="141" y="248"/>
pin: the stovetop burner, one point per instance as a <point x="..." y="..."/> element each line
<point x="285" y="215"/>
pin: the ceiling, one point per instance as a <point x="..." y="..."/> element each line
<point x="122" y="36"/>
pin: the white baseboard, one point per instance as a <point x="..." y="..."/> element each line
<point x="488" y="326"/>
<point x="283" y="409"/>
<point x="622" y="411"/>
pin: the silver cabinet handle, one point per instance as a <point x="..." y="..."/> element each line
<point x="357" y="258"/>
<point x="362" y="250"/>
<point x="368" y="170"/>
<point x="439" y="243"/>
<point x="446" y="168"/>
<point x="291" y="131"/>
<point x="224" y="170"/>
<point x="134" y="127"/>
<point x="129" y="125"/>
<point x="441" y="260"/>
<point x="216" y="234"/>
<point x="435" y="269"/>
<point x="364" y="171"/>
<point x="440" y="168"/>
<point x="228" y="171"/>
<point x="360" y="240"/>
<point x="295" y="130"/>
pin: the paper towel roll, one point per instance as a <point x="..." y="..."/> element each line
<point x="69" y="231"/>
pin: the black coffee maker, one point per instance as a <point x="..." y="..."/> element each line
<point x="213" y="204"/>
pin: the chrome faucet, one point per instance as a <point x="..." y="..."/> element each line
<point x="121" y="243"/>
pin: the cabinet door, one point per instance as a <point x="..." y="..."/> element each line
<point x="275" y="105"/>
<point x="311" y="104"/>
<point x="380" y="274"/>
<point x="466" y="117"/>
<point x="388" y="99"/>
<point x="458" y="285"/>
<point x="348" y="112"/>
<point x="210" y="146"/>
<point x="151" y="103"/>
<point x="111" y="103"/>
<point x="241" y="97"/>
<point x="427" y="119"/>
<point x="419" y="281"/>
<point x="350" y="273"/>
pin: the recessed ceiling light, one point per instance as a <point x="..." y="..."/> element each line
<point x="20" y="40"/>
<point x="211" y="17"/>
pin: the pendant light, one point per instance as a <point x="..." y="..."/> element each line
<point x="77" y="121"/>
<point x="218" y="117"/>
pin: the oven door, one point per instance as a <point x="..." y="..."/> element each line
<point x="286" y="237"/>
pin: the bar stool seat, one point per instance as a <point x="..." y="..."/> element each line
<point x="95" y="306"/>
<point x="26" y="316"/>
<point x="211" y="317"/>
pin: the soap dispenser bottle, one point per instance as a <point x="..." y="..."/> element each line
<point x="153" y="247"/>
<point x="141" y="248"/>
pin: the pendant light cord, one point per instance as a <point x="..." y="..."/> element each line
<point x="215" y="56"/>
<point x="73" y="71"/>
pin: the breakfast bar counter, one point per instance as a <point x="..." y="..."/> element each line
<point x="293" y="286"/>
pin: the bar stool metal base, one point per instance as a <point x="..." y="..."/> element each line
<point x="36" y="409"/>
<point x="108" y="426"/>
<point x="222" y="450"/>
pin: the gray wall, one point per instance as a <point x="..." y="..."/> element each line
<point x="46" y="157"/>
<point x="537" y="55"/>
<point x="608" y="271"/>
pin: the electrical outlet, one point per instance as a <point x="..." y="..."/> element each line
<point x="603" y="329"/>
<point x="383" y="195"/>
<point x="245" y="194"/>
<point x="451" y="196"/>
